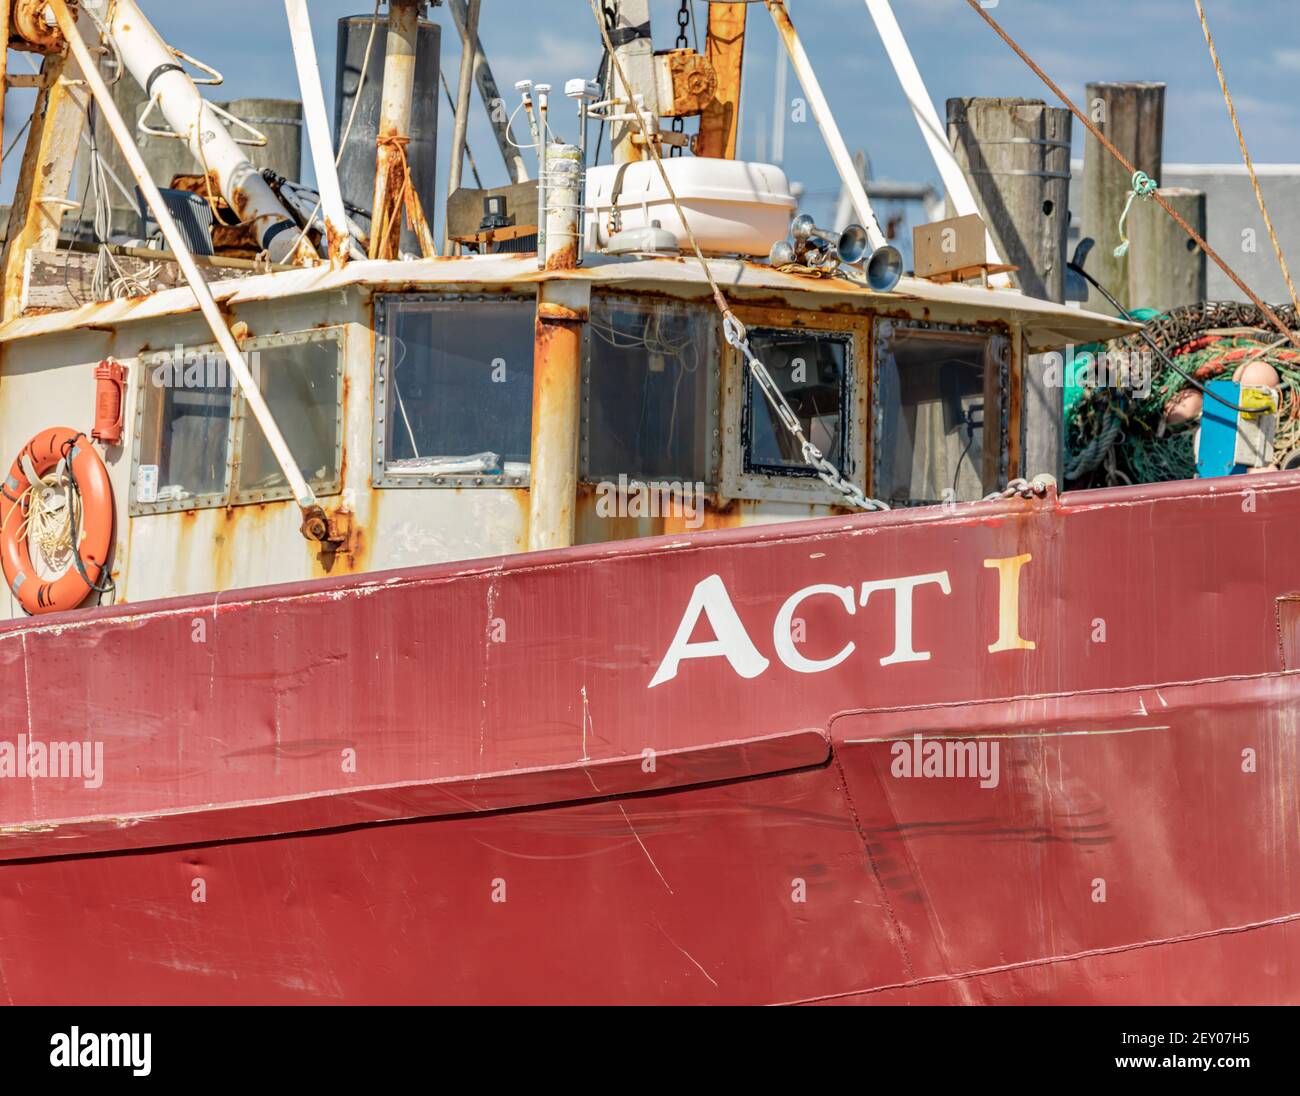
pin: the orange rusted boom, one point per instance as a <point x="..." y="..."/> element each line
<point x="725" y="50"/>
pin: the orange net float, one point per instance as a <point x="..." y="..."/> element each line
<point x="90" y="485"/>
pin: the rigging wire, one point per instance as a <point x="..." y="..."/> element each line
<point x="733" y="330"/>
<point x="1241" y="140"/>
<point x="1106" y="143"/>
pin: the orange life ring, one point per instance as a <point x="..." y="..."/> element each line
<point x="96" y="497"/>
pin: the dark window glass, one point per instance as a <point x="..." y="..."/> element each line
<point x="186" y="427"/>
<point x="650" y="369"/>
<point x="930" y="391"/>
<point x="459" y="395"/>
<point x="301" y="385"/>
<point x="811" y="370"/>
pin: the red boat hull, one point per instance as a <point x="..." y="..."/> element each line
<point x="481" y="783"/>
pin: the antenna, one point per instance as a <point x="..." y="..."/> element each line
<point x="525" y="87"/>
<point x="584" y="92"/>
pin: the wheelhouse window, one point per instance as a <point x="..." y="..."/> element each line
<point x="301" y="385"/>
<point x="198" y="445"/>
<point x="649" y="392"/>
<point x="453" y="391"/>
<point x="937" y="411"/>
<point x="811" y="369"/>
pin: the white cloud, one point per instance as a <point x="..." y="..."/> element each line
<point x="1288" y="59"/>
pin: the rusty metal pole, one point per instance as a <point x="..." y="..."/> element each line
<point x="725" y="49"/>
<point x="4" y="72"/>
<point x="562" y="308"/>
<point x="391" y="168"/>
<point x="469" y="45"/>
<point x="41" y="197"/>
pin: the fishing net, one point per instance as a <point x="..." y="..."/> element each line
<point x="1118" y="434"/>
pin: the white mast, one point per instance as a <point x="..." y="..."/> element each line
<point x="927" y="119"/>
<point x="318" y="132"/>
<point x="826" y="123"/>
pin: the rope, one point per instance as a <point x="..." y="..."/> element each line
<point x="733" y="329"/>
<point x="48" y="520"/>
<point x="1293" y="336"/>
<point x="1095" y="451"/>
<point x="1143" y="187"/>
<point x="1250" y="167"/>
<point x="389" y="220"/>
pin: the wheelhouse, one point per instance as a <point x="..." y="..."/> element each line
<point x="409" y="397"/>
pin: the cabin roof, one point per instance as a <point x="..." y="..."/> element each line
<point x="1047" y="325"/>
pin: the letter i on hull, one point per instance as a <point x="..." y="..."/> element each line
<point x="1009" y="638"/>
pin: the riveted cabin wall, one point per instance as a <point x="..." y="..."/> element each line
<point x="49" y="381"/>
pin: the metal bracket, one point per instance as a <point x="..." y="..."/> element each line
<point x="214" y="76"/>
<point x="258" y="139"/>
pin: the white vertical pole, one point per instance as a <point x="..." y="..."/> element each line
<point x="318" y="131"/>
<point x="927" y="119"/>
<point x="826" y="122"/>
<point x="172" y="234"/>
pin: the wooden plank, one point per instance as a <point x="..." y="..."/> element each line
<point x="943" y="247"/>
<point x="37" y="213"/>
<point x="57" y="280"/>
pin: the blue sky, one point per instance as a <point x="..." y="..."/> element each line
<point x="1075" y="40"/>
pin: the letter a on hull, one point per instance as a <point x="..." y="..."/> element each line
<point x="711" y="599"/>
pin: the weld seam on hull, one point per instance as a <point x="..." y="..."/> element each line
<point x="1052" y="960"/>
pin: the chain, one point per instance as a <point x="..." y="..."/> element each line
<point x="736" y="336"/>
<point x="683" y="42"/>
<point x="1025" y="489"/>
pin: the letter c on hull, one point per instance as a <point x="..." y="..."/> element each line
<point x="784" y="642"/>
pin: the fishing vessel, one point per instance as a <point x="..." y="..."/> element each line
<point x="613" y="601"/>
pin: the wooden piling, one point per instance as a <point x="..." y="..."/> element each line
<point x="1016" y="154"/>
<point x="1131" y="115"/>
<point x="1166" y="268"/>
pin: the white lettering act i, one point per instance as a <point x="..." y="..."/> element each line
<point x="731" y="640"/>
